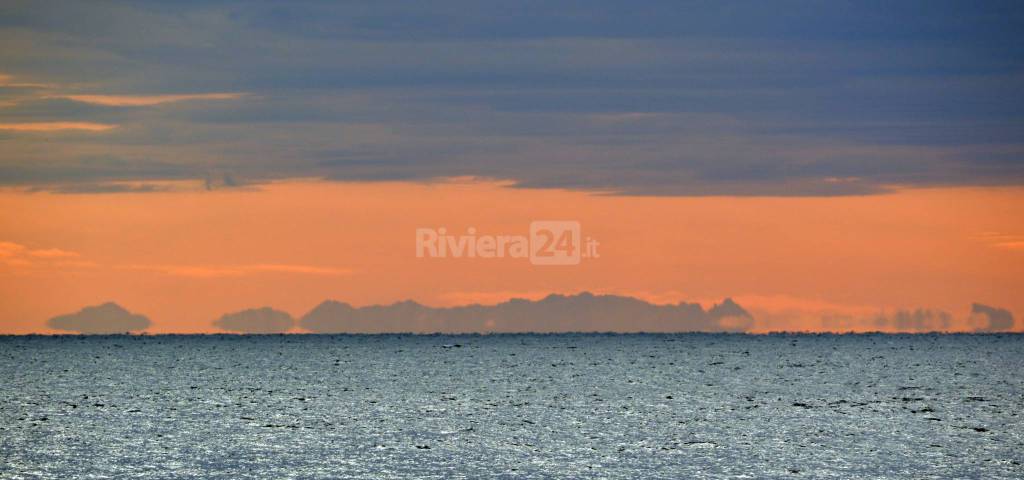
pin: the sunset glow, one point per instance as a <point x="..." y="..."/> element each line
<point x="186" y="255"/>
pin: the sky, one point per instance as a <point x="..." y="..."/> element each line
<point x="828" y="166"/>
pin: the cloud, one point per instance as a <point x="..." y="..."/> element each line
<point x="490" y="297"/>
<point x="669" y="99"/>
<point x="10" y="249"/>
<point x="19" y="255"/>
<point x="148" y="100"/>
<point x="102" y="187"/>
<point x="584" y="312"/>
<point x="1000" y="240"/>
<point x="1014" y="245"/>
<point x="107" y="318"/>
<point x="56" y="126"/>
<point x="991" y="319"/>
<point x="219" y="271"/>
<point x="8" y="81"/>
<point x="256" y="320"/>
<point x="52" y="253"/>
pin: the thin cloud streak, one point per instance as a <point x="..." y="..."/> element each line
<point x="1001" y="240"/>
<point x="52" y="253"/>
<point x="16" y="254"/>
<point x="10" y="249"/>
<point x="8" y="82"/>
<point x="220" y="271"/>
<point x="147" y="100"/>
<point x="57" y="126"/>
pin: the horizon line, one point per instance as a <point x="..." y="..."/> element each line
<point x="485" y="334"/>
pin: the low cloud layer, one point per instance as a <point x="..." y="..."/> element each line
<point x="584" y="312"/>
<point x="107" y="318"/>
<point x="256" y="320"/>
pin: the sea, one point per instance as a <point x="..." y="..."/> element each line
<point x="671" y="406"/>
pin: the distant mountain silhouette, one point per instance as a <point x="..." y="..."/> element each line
<point x="100" y="319"/>
<point x="995" y="319"/>
<point x="256" y="320"/>
<point x="584" y="312"/>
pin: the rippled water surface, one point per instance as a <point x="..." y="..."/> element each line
<point x="625" y="406"/>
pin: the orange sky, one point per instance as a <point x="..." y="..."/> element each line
<point x="185" y="257"/>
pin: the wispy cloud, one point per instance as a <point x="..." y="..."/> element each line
<point x="10" y="82"/>
<point x="489" y="297"/>
<point x="147" y="100"/>
<point x="52" y="253"/>
<point x="17" y="255"/>
<point x="220" y="271"/>
<point x="56" y="126"/>
<point x="20" y="257"/>
<point x="1000" y="240"/>
<point x="104" y="187"/>
<point x="10" y="249"/>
